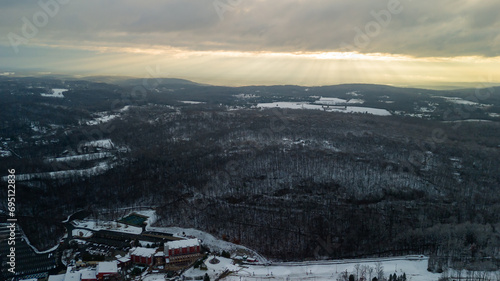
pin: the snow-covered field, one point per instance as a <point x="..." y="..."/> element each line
<point x="105" y="143"/>
<point x="83" y="157"/>
<point x="458" y="100"/>
<point x="93" y="171"/>
<point x="213" y="270"/>
<point x="306" y="105"/>
<point x="106" y="225"/>
<point x="414" y="267"/>
<point x="191" y="102"/>
<point x="335" y="101"/>
<point x="56" y="93"/>
<point x="102" y="119"/>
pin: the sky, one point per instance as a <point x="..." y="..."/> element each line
<point x="258" y="42"/>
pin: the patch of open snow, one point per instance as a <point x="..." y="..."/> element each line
<point x="125" y="108"/>
<point x="106" y="225"/>
<point x="154" y="277"/>
<point x="105" y="143"/>
<point x="414" y="267"/>
<point x="191" y="102"/>
<point x="305" y="105"/>
<point x="100" y="168"/>
<point x="467" y="120"/>
<point x="355" y="101"/>
<point x="330" y="101"/>
<point x="56" y="93"/>
<point x="458" y="100"/>
<point x="83" y="157"/>
<point x="213" y="270"/>
<point x="102" y="119"/>
<point x="354" y="94"/>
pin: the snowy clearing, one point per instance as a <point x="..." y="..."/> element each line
<point x="191" y="102"/>
<point x="330" y="101"/>
<point x="102" y="119"/>
<point x="83" y="157"/>
<point x="213" y="270"/>
<point x="468" y="120"/>
<point x="305" y="105"/>
<point x="106" y="225"/>
<point x="56" y="93"/>
<point x="100" y="168"/>
<point x="336" y="101"/>
<point x="414" y="267"/>
<point x="105" y="143"/>
<point x="354" y="94"/>
<point x="458" y="100"/>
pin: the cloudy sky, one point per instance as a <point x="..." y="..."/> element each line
<point x="242" y="42"/>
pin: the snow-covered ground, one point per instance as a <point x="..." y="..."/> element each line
<point x="102" y="119"/>
<point x="56" y="93"/>
<point x="458" y="100"/>
<point x="335" y="101"/>
<point x="306" y="105"/>
<point x="213" y="270"/>
<point x="93" y="171"/>
<point x="330" y="101"/>
<point x="154" y="277"/>
<point x="414" y="267"/>
<point x="83" y="157"/>
<point x="354" y="94"/>
<point x="191" y="102"/>
<point x="105" y="143"/>
<point x="468" y="120"/>
<point x="106" y="225"/>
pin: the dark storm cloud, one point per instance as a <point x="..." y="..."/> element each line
<point x="422" y="28"/>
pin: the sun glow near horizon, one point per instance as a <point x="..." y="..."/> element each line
<point x="239" y="68"/>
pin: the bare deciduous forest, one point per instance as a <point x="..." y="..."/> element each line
<point x="291" y="184"/>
